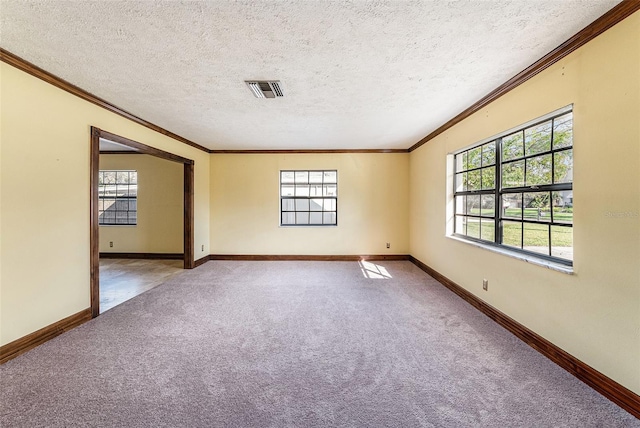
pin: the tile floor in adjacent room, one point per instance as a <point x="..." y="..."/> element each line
<point x="123" y="279"/>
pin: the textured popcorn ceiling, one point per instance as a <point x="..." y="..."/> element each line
<point x="355" y="74"/>
<point x="110" y="146"/>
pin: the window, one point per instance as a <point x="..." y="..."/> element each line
<point x="516" y="190"/>
<point x="309" y="198"/>
<point x="117" y="197"/>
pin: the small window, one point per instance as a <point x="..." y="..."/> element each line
<point x="309" y="198"/>
<point x="516" y="190"/>
<point x="117" y="197"/>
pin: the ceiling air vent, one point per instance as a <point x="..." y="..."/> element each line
<point x="265" y="88"/>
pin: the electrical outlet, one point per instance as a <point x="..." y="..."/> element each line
<point x="111" y="244"/>
<point x="485" y="284"/>
<point x="203" y="247"/>
<point x="388" y="245"/>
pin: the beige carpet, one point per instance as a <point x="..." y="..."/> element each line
<point x="295" y="344"/>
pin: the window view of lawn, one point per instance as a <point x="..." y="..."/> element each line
<point x="536" y="236"/>
<point x="523" y="181"/>
<point x="559" y="215"/>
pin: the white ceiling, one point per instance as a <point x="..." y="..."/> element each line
<point x="110" y="146"/>
<point x="355" y="75"/>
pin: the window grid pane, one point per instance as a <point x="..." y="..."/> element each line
<point x="475" y="183"/>
<point x="308" y="198"/>
<point x="117" y="197"/>
<point x="517" y="190"/>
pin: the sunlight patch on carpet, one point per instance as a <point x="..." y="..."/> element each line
<point x="373" y="271"/>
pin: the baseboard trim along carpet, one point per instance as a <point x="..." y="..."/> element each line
<point x="201" y="261"/>
<point x="30" y="341"/>
<point x="606" y="386"/>
<point x="150" y="256"/>
<point x="317" y="258"/>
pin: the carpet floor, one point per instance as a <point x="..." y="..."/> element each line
<point x="295" y="344"/>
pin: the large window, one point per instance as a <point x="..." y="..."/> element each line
<point x="516" y="190"/>
<point x="117" y="197"/>
<point x="309" y="198"/>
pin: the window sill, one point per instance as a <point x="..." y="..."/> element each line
<point x="293" y="226"/>
<point x="524" y="257"/>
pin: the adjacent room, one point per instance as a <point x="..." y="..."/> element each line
<point x="137" y="254"/>
<point x="320" y="214"/>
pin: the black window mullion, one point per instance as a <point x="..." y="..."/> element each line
<point x="522" y="231"/>
<point x="549" y="230"/>
<point x="475" y="192"/>
<point x="472" y="169"/>
<point x="524" y="148"/>
<point x="540" y="188"/>
<point x="455" y="192"/>
<point x="562" y="149"/>
<point x="535" y="155"/>
<point x="553" y="167"/>
<point x="498" y="196"/>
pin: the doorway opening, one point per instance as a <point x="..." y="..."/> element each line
<point x="124" y="145"/>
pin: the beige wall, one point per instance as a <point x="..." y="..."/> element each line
<point x="160" y="202"/>
<point x="45" y="199"/>
<point x="372" y="205"/>
<point x="1" y="205"/>
<point x="595" y="313"/>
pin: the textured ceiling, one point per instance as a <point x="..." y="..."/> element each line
<point x="354" y="74"/>
<point x="110" y="146"/>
